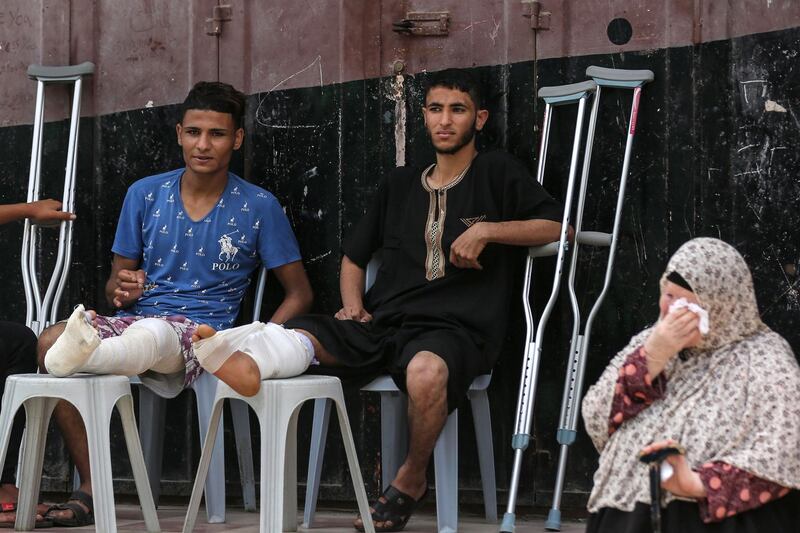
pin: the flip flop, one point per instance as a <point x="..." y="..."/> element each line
<point x="397" y="509"/>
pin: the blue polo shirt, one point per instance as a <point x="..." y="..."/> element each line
<point x="200" y="268"/>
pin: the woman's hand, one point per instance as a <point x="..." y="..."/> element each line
<point x="684" y="482"/>
<point x="676" y="331"/>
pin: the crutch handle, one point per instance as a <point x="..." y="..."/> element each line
<point x="68" y="73"/>
<point x="545" y="250"/>
<point x="567" y="94"/>
<point x="618" y="77"/>
<point x="593" y="238"/>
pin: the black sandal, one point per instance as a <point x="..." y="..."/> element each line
<point x="397" y="509"/>
<point x="80" y="516"/>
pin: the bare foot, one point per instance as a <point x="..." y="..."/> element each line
<point x="203" y="331"/>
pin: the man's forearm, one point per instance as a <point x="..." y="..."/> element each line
<point x="11" y="212"/>
<point x="520" y="232"/>
<point x="292" y="306"/>
<point x="351" y="283"/>
<point x="110" y="286"/>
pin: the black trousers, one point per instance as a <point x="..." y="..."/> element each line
<point x="17" y="356"/>
<point x="778" y="516"/>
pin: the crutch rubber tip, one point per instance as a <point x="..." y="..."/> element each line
<point x="553" y="522"/>
<point x="508" y="523"/>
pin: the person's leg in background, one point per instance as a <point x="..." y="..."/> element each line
<point x="17" y="356"/>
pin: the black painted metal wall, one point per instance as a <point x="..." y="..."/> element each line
<point x="715" y="155"/>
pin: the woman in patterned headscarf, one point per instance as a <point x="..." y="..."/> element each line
<point x="730" y="397"/>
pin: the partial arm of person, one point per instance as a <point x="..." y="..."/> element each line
<point x="298" y="295"/>
<point x="635" y="390"/>
<point x="40" y="212"/>
<point x="729" y="490"/>
<point x="352" y="281"/>
<point x="125" y="285"/>
<point x="721" y="489"/>
<point x="641" y="379"/>
<point x="466" y="249"/>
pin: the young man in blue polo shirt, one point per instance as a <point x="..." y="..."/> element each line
<point x="187" y="244"/>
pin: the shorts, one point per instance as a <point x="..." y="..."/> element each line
<point x="366" y="350"/>
<point x="165" y="385"/>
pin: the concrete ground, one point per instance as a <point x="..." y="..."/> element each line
<point x="129" y="518"/>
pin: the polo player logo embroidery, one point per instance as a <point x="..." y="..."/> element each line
<point x="227" y="253"/>
<point x="469" y="222"/>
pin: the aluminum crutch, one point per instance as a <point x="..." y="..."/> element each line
<point x="41" y="311"/>
<point x="576" y="93"/>
<point x="570" y="404"/>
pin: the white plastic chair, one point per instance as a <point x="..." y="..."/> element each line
<point x="394" y="444"/>
<point x="94" y="397"/>
<point x="277" y="405"/>
<point x="151" y="431"/>
<point x="152" y="414"/>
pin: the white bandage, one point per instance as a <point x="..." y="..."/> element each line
<point x="278" y="352"/>
<point x="147" y="344"/>
<point x="73" y="348"/>
<point x="701" y="313"/>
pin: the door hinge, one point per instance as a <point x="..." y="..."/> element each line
<point x="221" y="14"/>
<point x="418" y="23"/>
<point x="532" y="9"/>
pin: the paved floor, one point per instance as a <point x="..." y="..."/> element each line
<point x="171" y="518"/>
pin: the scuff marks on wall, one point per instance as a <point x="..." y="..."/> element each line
<point x="397" y="93"/>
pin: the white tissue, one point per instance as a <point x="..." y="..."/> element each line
<point x="701" y="313"/>
<point x="666" y="471"/>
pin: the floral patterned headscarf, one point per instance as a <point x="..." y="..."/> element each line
<point x="734" y="398"/>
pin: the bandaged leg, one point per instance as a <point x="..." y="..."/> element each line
<point x="148" y="344"/>
<point x="230" y="354"/>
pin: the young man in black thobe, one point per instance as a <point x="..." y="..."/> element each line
<point x="435" y="317"/>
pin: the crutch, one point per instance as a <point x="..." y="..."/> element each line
<point x="570" y="405"/>
<point x="41" y="311"/>
<point x="576" y="93"/>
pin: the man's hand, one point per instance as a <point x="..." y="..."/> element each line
<point x="46" y="211"/>
<point x="129" y="287"/>
<point x="466" y="249"/>
<point x="676" y="331"/>
<point x="351" y="312"/>
<point x="685" y="482"/>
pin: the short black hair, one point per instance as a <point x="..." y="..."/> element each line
<point x="456" y="78"/>
<point x="216" y="96"/>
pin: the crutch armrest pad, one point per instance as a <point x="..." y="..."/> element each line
<point x="601" y="74"/>
<point x="545" y="250"/>
<point x="67" y="73"/>
<point x="593" y="238"/>
<point x="571" y="92"/>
